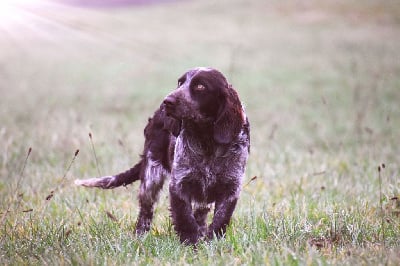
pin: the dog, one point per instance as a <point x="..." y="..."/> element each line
<point x="200" y="138"/>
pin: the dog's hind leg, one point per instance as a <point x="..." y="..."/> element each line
<point x="152" y="180"/>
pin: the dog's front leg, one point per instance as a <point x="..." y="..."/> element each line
<point x="182" y="215"/>
<point x="224" y="208"/>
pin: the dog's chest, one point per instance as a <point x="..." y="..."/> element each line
<point x="199" y="157"/>
<point x="199" y="165"/>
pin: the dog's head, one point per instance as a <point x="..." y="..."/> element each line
<point x="204" y="96"/>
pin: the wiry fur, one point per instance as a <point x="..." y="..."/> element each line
<point x="200" y="136"/>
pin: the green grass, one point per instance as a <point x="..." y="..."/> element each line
<point x="321" y="84"/>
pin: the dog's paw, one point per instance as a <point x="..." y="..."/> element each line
<point x="189" y="238"/>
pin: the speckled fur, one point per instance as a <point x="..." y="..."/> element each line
<point x="200" y="136"/>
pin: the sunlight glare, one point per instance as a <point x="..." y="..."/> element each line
<point x="12" y="10"/>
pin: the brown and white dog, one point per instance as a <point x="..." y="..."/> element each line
<point x="200" y="137"/>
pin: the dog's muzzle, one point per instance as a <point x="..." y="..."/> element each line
<point x="170" y="105"/>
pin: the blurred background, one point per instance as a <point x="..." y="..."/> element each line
<point x="320" y="81"/>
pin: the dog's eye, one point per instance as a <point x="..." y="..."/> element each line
<point x="180" y="82"/>
<point x="200" y="87"/>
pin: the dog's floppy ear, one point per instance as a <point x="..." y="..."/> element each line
<point x="172" y="125"/>
<point x="229" y="118"/>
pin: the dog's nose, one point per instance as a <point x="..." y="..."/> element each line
<point x="169" y="101"/>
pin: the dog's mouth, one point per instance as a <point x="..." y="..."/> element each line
<point x="170" y="111"/>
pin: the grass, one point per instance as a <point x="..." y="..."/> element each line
<point x="320" y="81"/>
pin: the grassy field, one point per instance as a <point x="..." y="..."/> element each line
<point x="321" y="84"/>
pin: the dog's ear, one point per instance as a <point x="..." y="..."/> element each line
<point x="172" y="125"/>
<point x="229" y="118"/>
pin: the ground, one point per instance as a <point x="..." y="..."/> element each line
<point x="320" y="81"/>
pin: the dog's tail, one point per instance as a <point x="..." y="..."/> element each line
<point x="107" y="182"/>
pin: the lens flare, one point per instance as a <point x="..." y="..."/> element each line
<point x="8" y="10"/>
<point x="13" y="11"/>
